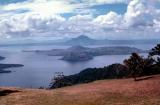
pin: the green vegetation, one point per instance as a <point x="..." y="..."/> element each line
<point x="91" y="74"/>
<point x="155" y="54"/>
<point x="136" y="66"/>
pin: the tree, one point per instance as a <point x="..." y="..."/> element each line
<point x="57" y="81"/>
<point x="155" y="53"/>
<point x="137" y="65"/>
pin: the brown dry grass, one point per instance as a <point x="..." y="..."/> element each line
<point x="105" y="92"/>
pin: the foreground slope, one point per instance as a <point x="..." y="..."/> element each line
<point x="105" y="92"/>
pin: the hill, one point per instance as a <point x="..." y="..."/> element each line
<point x="80" y="53"/>
<point x="105" y="92"/>
<point x="81" y="40"/>
<point x="6" y="66"/>
<point x="85" y="40"/>
<point x="1" y="58"/>
<point x="3" y="67"/>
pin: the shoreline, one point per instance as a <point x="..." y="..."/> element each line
<point x="102" y="92"/>
<point x="3" y="67"/>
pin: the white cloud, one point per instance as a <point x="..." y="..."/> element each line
<point x="141" y="17"/>
<point x="137" y="14"/>
<point x="42" y="19"/>
<point x="45" y="7"/>
<point x="111" y="19"/>
<point x="30" y="25"/>
<point x="79" y="24"/>
<point x="157" y="25"/>
<point x="95" y="2"/>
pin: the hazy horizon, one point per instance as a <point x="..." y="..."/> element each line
<point x="27" y="25"/>
<point x="61" y="19"/>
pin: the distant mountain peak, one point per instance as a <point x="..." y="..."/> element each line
<point x="83" y="37"/>
<point x="81" y="40"/>
<point x="77" y="47"/>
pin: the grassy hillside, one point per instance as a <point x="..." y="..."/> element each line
<point x="105" y="92"/>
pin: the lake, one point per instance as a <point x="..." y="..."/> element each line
<point x="39" y="69"/>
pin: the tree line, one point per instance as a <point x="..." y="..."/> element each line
<point x="135" y="66"/>
<point x="141" y="66"/>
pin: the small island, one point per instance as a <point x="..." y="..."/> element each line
<point x="81" y="53"/>
<point x="79" y="56"/>
<point x="6" y="66"/>
<point x="1" y="58"/>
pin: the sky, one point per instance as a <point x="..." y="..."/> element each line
<point x="58" y="19"/>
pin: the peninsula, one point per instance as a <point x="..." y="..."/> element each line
<point x="81" y="53"/>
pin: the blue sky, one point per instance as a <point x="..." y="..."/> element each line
<point x="10" y="1"/>
<point x="113" y="19"/>
<point x="119" y="8"/>
<point x="100" y="9"/>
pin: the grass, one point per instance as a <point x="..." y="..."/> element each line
<point x="105" y="92"/>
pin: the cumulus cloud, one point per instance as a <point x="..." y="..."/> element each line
<point x="30" y="24"/>
<point x="137" y="14"/>
<point x="45" y="7"/>
<point x="111" y="19"/>
<point x="42" y="18"/>
<point x="95" y="2"/>
<point x="156" y="25"/>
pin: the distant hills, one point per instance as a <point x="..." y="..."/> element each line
<point x="80" y="40"/>
<point x="3" y="67"/>
<point x="85" y="40"/>
<point x="80" y="53"/>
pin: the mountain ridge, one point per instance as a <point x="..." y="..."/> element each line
<point x="82" y="40"/>
<point x="80" y="53"/>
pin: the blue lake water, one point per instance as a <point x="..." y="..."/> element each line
<point x="39" y="69"/>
